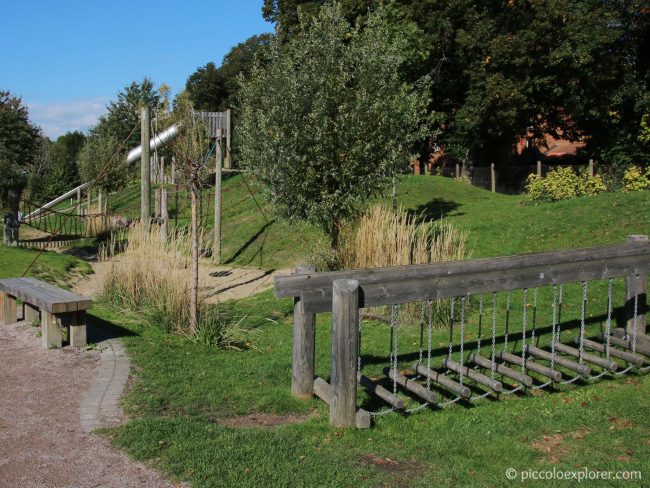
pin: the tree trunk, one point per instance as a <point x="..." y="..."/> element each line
<point x="194" y="291"/>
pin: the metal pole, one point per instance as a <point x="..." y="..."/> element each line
<point x="145" y="175"/>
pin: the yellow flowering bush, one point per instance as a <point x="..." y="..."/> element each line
<point x="635" y="179"/>
<point x="562" y="183"/>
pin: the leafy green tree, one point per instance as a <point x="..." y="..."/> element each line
<point x="215" y="89"/>
<point x="62" y="172"/>
<point x="18" y="147"/>
<point x="101" y="160"/>
<point x="123" y="114"/>
<point x="328" y="121"/>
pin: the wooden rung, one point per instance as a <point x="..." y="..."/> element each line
<point x="323" y="390"/>
<point x="559" y="360"/>
<point x="641" y="347"/>
<point x="525" y="380"/>
<point x="412" y="386"/>
<point x="441" y="379"/>
<point x="620" y="333"/>
<point x="590" y="358"/>
<point x="625" y="356"/>
<point x="380" y="391"/>
<point x="493" y="385"/>
<point x="530" y="365"/>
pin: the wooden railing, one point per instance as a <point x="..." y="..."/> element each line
<point x="344" y="292"/>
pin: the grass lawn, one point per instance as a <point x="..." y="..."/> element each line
<point x="184" y="395"/>
<point x="184" y="391"/>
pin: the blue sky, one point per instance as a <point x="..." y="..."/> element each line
<point x="68" y="58"/>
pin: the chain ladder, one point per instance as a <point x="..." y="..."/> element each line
<point x="634" y="323"/>
<point x="462" y="336"/>
<point x="583" y="313"/>
<point x="553" y="320"/>
<point x="505" y="338"/>
<point x="534" y="324"/>
<point x="494" y="334"/>
<point x="392" y="361"/>
<point x="523" y="332"/>
<point x="429" y="328"/>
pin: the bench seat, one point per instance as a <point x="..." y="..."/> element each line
<point x="56" y="308"/>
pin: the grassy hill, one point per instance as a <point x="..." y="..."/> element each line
<point x="498" y="224"/>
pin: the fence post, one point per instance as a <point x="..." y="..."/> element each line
<point x="345" y="350"/>
<point x="457" y="171"/>
<point x="145" y="171"/>
<point x="216" y="244"/>
<point x="539" y="169"/>
<point x="304" y="337"/>
<point x="591" y="168"/>
<point x="164" y="215"/>
<point x="640" y="289"/>
<point x="227" y="163"/>
<point x="157" y="202"/>
<point x="493" y="178"/>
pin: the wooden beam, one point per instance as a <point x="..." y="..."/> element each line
<point x="145" y="173"/>
<point x="441" y="379"/>
<point x="525" y="380"/>
<point x="304" y="344"/>
<point x="530" y="365"/>
<point x="323" y="390"/>
<point x="625" y="356"/>
<point x="559" y="360"/>
<point x="493" y="385"/>
<point x="50" y="330"/>
<point x="413" y="386"/>
<point x="345" y="350"/>
<point x="641" y="347"/>
<point x="590" y="358"/>
<point x="9" y="312"/>
<point x="380" y="391"/>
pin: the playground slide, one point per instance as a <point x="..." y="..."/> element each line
<point x="134" y="154"/>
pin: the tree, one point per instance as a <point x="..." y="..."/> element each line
<point x="58" y="171"/>
<point x="99" y="163"/>
<point x="123" y="114"/>
<point x="190" y="149"/>
<point x="328" y="121"/>
<point x="18" y="147"/>
<point x="215" y="89"/>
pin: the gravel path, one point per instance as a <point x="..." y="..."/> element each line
<point x="42" y="440"/>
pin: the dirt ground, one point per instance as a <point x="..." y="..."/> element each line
<point x="41" y="440"/>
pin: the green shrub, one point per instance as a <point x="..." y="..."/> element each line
<point x="562" y="183"/>
<point x="635" y="179"/>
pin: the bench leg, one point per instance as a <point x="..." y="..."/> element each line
<point x="31" y="314"/>
<point x="51" y="330"/>
<point x="78" y="330"/>
<point x="8" y="308"/>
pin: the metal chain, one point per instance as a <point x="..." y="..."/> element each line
<point x="451" y="327"/>
<point x="559" y="314"/>
<point x="608" y="322"/>
<point x="429" y="342"/>
<point x="582" y="322"/>
<point x="554" y="332"/>
<point x="494" y="333"/>
<point x="359" y="345"/>
<point x="422" y="310"/>
<point x="393" y="320"/>
<point x="523" y="333"/>
<point x="462" y="335"/>
<point x="505" y="338"/>
<point x="534" y="325"/>
<point x="480" y="325"/>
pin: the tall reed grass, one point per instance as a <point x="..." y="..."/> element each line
<point x="152" y="276"/>
<point x="384" y="237"/>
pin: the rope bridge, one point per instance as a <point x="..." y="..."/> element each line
<point x="499" y="303"/>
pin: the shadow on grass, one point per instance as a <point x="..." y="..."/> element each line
<point x="435" y="210"/>
<point x="249" y="242"/>
<point x="100" y="330"/>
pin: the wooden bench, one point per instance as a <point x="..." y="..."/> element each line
<point x="56" y="308"/>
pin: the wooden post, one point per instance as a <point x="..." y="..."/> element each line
<point x="79" y="201"/>
<point x="345" y="350"/>
<point x="164" y="215"/>
<point x="304" y="346"/>
<point x="591" y="168"/>
<point x="539" y="169"/>
<point x="99" y="201"/>
<point x="145" y="175"/>
<point x="8" y="308"/>
<point x="156" y="203"/>
<point x="493" y="179"/>
<point x="216" y="244"/>
<point x="162" y="170"/>
<point x="173" y="170"/>
<point x="78" y="329"/>
<point x="30" y="313"/>
<point x="50" y="330"/>
<point x="457" y="171"/>
<point x="639" y="288"/>
<point x="90" y="201"/>
<point x="228" y="160"/>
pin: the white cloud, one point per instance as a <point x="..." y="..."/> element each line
<point x="57" y="118"/>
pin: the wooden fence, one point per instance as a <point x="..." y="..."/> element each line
<point x="345" y="292"/>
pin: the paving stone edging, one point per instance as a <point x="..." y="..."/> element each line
<point x="101" y="405"/>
